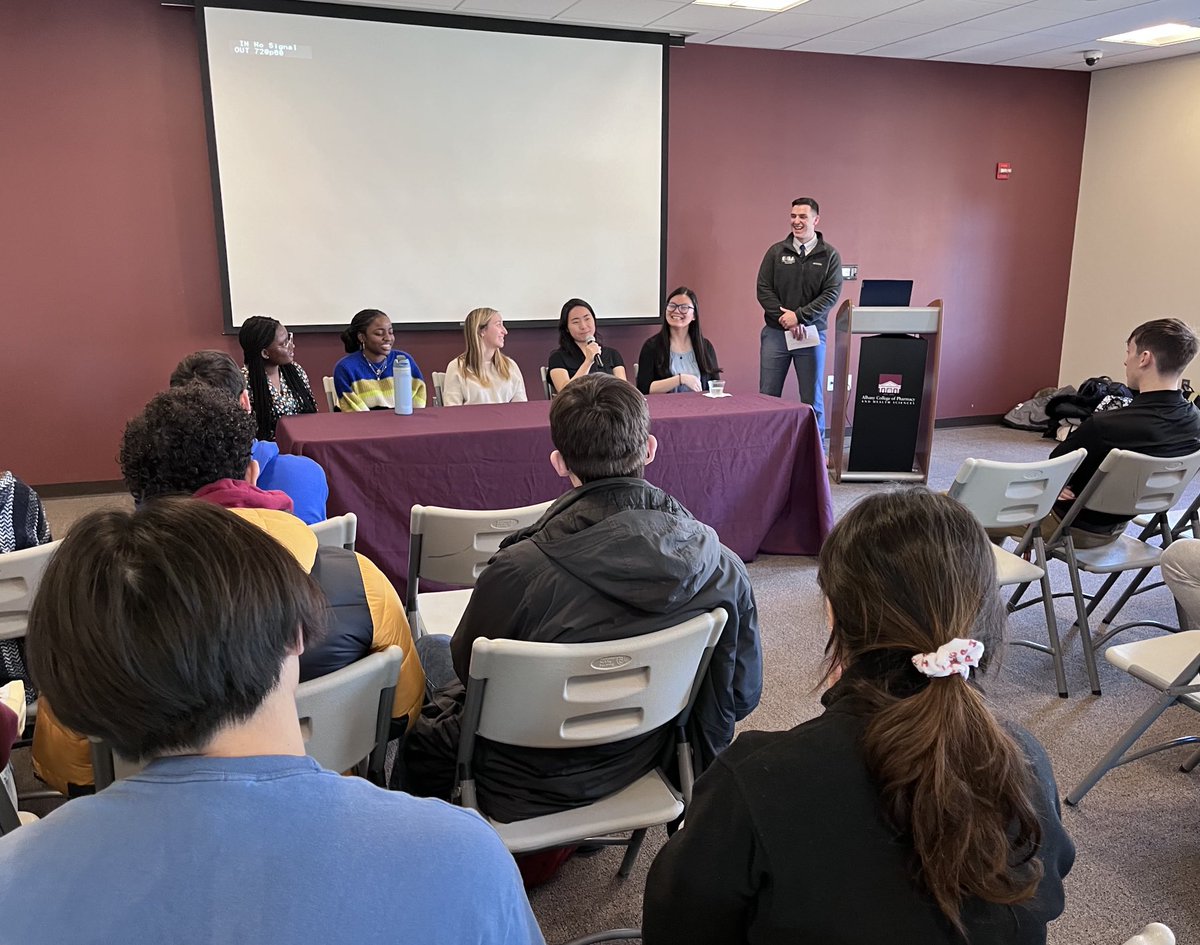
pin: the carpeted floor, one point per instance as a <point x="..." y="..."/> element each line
<point x="1136" y="833"/>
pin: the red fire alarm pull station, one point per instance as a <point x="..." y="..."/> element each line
<point x="1003" y="170"/>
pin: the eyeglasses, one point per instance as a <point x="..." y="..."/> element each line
<point x="291" y="340"/>
<point x="681" y="309"/>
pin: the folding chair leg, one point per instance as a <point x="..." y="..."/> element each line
<point x="1017" y="595"/>
<point x="1081" y="619"/>
<point x="1191" y="763"/>
<point x="1060" y="675"/>
<point x="631" y="852"/>
<point x="1124" y="743"/>
<point x="1125" y="595"/>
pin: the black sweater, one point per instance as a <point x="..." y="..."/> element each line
<point x="785" y="843"/>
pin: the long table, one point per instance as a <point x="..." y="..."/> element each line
<point x="750" y="466"/>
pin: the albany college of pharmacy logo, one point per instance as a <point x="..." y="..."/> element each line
<point x="889" y="384"/>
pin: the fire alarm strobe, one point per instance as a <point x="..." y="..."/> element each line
<point x="1003" y="170"/>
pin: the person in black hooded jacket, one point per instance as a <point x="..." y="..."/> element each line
<point x="615" y="557"/>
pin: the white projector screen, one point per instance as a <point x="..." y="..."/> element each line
<point x="427" y="169"/>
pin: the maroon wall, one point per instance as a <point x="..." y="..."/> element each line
<point x="109" y="272"/>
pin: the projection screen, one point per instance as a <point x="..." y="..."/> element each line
<point x="432" y="166"/>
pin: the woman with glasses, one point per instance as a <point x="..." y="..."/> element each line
<point x="579" y="352"/>
<point x="278" y="385"/>
<point x="363" y="378"/>
<point x="678" y="358"/>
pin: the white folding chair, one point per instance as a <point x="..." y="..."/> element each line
<point x="1007" y="495"/>
<point x="330" y="393"/>
<point x="453" y="546"/>
<point x="339" y="531"/>
<point x="345" y="718"/>
<point x="546" y="385"/>
<point x="577" y="695"/>
<point x="1126" y="484"/>
<point x="1153" y="934"/>
<point x="20" y="574"/>
<point x="439" y="384"/>
<point x="12" y="695"/>
<point x="1170" y="664"/>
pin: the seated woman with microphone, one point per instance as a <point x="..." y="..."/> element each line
<point x="483" y="374"/>
<point x="363" y="378"/>
<point x="579" y="353"/>
<point x="678" y="358"/>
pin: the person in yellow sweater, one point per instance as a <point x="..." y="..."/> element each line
<point x="193" y="440"/>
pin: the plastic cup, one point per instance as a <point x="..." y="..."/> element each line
<point x="716" y="388"/>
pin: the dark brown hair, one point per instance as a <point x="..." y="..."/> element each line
<point x="600" y="425"/>
<point x="1170" y="340"/>
<point x="662" y="341"/>
<point x="905" y="572"/>
<point x="214" y="368"/>
<point x="154" y="629"/>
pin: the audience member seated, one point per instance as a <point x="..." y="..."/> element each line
<point x="678" y="358"/>
<point x="298" y="477"/>
<point x="483" y="374"/>
<point x="906" y="811"/>
<point x="363" y="378"/>
<point x="23" y="524"/>
<point x="1158" y="422"/>
<point x="278" y="385"/>
<point x="231" y="833"/>
<point x="579" y="352"/>
<point x="1180" y="565"/>
<point x="196" y="440"/>
<point x="615" y="557"/>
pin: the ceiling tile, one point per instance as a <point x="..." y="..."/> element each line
<point x="618" y="12"/>
<point x="698" y="17"/>
<point x="829" y="44"/>
<point x="878" y="32"/>
<point x="755" y="40"/>
<point x="803" y="25"/>
<point x="855" y="9"/>
<point x="526" y="9"/>
<point x="944" y="12"/>
<point x="937" y="43"/>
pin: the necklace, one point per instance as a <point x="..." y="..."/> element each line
<point x="376" y="369"/>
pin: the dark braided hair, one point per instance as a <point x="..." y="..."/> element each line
<point x="257" y="333"/>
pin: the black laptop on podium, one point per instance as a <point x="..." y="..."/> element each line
<point x="886" y="293"/>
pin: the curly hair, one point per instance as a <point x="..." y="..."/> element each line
<point x="185" y="439"/>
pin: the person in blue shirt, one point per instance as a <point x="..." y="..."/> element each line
<point x="298" y="477"/>
<point x="174" y="632"/>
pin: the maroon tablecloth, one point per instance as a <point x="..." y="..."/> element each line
<point x="748" y="465"/>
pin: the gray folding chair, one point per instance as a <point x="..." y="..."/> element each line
<point x="439" y="385"/>
<point x="20" y="574"/>
<point x="576" y="695"/>
<point x="344" y="718"/>
<point x="1126" y="484"/>
<point x="453" y="546"/>
<point x="1007" y="495"/>
<point x="331" y="397"/>
<point x="1170" y="664"/>
<point x="546" y="385"/>
<point x="1153" y="934"/>
<point x="341" y="531"/>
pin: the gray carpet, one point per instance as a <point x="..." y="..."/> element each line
<point x="1136" y="833"/>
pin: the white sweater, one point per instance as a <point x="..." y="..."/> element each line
<point x="459" y="389"/>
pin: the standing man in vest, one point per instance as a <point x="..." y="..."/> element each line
<point x="799" y="282"/>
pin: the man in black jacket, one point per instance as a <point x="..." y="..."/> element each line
<point x="615" y="557"/>
<point x="799" y="282"/>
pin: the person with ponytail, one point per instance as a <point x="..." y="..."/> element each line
<point x="278" y="385"/>
<point x="906" y="812"/>
<point x="483" y="374"/>
<point x="363" y="378"/>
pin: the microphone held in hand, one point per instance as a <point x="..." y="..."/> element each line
<point x="596" y="361"/>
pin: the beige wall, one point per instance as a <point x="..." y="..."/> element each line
<point x="1138" y="225"/>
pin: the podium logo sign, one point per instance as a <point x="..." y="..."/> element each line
<point x="890" y="384"/>
<point x="888" y="395"/>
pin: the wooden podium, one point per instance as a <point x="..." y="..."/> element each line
<point x="921" y="323"/>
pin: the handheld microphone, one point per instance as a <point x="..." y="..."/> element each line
<point x="597" y="362"/>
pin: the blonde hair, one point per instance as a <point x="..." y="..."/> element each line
<point x="470" y="362"/>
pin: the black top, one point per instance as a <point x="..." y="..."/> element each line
<point x="571" y="361"/>
<point x="1159" y="423"/>
<point x="649" y="370"/>
<point x="785" y="842"/>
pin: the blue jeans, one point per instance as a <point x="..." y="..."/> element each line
<point x="774" y="359"/>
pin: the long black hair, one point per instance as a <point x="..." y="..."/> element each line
<point x="662" y="341"/>
<point x="358" y="324"/>
<point x="257" y="333"/>
<point x="565" y="341"/>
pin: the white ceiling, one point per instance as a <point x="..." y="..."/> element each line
<point x="1045" y="34"/>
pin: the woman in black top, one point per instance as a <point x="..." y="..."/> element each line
<point x="578" y="352"/>
<point x="906" y="812"/>
<point x="678" y="358"/>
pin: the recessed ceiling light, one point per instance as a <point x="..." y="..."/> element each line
<point x="1165" y="34"/>
<point x="770" y="6"/>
